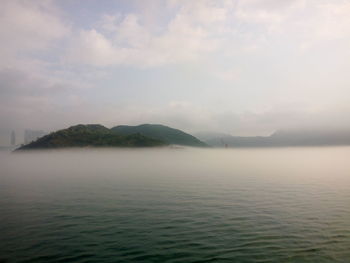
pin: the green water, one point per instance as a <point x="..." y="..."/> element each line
<point x="176" y="205"/>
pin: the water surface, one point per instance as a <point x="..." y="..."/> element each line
<point x="176" y="205"/>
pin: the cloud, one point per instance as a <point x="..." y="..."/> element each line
<point x="29" y="100"/>
<point x="195" y="118"/>
<point x="229" y="75"/>
<point x="195" y="30"/>
<point x="125" y="40"/>
<point x="32" y="93"/>
<point x="332" y="21"/>
<point x="28" y="26"/>
<point x="260" y="53"/>
<point x="306" y="23"/>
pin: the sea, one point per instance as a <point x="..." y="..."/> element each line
<point x="176" y="205"/>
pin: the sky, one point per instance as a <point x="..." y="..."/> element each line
<point x="243" y="67"/>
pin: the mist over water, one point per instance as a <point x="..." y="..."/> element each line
<point x="176" y="205"/>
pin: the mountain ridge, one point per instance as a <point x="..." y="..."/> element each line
<point x="281" y="138"/>
<point x="90" y="135"/>
<point x="161" y="132"/>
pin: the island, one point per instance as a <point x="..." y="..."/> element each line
<point x="96" y="135"/>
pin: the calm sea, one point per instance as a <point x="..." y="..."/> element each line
<point x="176" y="205"/>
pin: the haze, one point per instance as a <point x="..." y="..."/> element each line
<point x="240" y="67"/>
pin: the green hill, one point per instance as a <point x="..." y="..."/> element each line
<point x="92" y="135"/>
<point x="160" y="132"/>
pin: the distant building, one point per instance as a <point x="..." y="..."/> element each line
<point x="32" y="135"/>
<point x="13" y="138"/>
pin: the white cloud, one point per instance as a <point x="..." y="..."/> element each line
<point x="200" y="28"/>
<point x="27" y="26"/>
<point x="93" y="48"/>
<point x="304" y="22"/>
<point x="32" y="100"/>
<point x="228" y="75"/>
<point x="333" y="20"/>
<point x="188" y="35"/>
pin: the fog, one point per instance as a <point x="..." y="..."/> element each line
<point x="311" y="165"/>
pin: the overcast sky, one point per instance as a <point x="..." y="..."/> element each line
<point x="245" y="67"/>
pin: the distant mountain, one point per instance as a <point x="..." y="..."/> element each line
<point x="205" y="136"/>
<point x="92" y="135"/>
<point x="284" y="139"/>
<point x="161" y="132"/>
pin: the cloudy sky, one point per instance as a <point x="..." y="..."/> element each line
<point x="245" y="67"/>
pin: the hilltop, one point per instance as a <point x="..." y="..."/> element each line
<point x="161" y="132"/>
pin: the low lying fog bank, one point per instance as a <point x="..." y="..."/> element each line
<point x="177" y="164"/>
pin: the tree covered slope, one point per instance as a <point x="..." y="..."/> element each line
<point x="160" y="132"/>
<point x="92" y="135"/>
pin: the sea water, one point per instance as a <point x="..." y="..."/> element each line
<point x="176" y="205"/>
